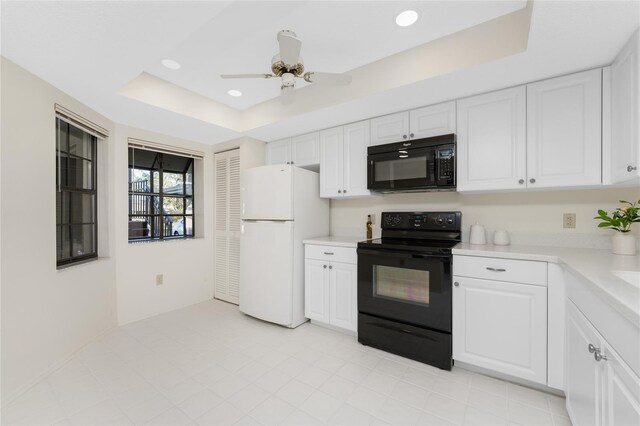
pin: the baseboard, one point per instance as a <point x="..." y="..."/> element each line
<point x="508" y="378"/>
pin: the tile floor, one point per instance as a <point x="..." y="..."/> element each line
<point x="209" y="364"/>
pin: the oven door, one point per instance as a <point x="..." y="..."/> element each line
<point x="402" y="170"/>
<point x="406" y="287"/>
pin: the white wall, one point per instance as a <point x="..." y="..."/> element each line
<point x="47" y="313"/>
<point x="187" y="265"/>
<point x="531" y="217"/>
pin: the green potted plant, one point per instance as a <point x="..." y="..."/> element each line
<point x="621" y="220"/>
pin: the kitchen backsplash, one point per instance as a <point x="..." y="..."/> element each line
<point x="531" y="218"/>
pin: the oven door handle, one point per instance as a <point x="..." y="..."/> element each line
<point x="402" y="254"/>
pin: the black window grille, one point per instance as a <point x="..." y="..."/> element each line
<point x="76" y="195"/>
<point x="160" y="195"/>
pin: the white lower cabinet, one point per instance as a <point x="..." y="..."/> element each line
<point x="331" y="286"/>
<point x="601" y="388"/>
<point x="501" y="326"/>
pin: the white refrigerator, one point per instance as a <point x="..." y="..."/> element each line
<point x="281" y="206"/>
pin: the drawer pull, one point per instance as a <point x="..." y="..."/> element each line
<point x="495" y="269"/>
<point x="328" y="253"/>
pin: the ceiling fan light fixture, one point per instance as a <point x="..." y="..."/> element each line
<point x="171" y="64"/>
<point x="406" y="18"/>
<point x="235" y="93"/>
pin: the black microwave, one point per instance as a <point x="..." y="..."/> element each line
<point x="427" y="164"/>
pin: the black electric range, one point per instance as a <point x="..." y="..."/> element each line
<point x="404" y="286"/>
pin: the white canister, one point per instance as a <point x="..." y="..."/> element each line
<point x="477" y="235"/>
<point x="501" y="237"/>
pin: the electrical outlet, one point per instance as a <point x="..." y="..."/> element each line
<point x="569" y="220"/>
<point x="159" y="279"/>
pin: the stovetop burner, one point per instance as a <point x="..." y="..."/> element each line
<point x="436" y="232"/>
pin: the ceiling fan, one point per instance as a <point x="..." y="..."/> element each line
<point x="288" y="65"/>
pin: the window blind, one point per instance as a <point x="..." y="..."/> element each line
<point x="86" y="125"/>
<point x="165" y="149"/>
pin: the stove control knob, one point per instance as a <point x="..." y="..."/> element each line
<point x="396" y="220"/>
<point x="439" y="220"/>
<point x="450" y="221"/>
<point x="388" y="220"/>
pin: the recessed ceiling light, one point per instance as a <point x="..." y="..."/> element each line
<point x="171" y="64"/>
<point x="235" y="93"/>
<point x="406" y="18"/>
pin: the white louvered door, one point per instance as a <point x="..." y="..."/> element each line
<point x="227" y="229"/>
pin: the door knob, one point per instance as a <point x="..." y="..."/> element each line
<point x="532" y="180"/>
<point x="630" y="168"/>
<point x="521" y="181"/>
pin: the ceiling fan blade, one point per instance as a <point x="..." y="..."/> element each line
<point x="327" y="78"/>
<point x="287" y="95"/>
<point x="289" y="48"/>
<point x="246" y="76"/>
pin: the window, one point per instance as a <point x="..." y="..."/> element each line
<point x="160" y="195"/>
<point x="76" y="196"/>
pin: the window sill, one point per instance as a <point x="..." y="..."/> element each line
<point x="170" y="240"/>
<point x="83" y="263"/>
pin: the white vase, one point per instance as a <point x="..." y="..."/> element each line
<point x="623" y="243"/>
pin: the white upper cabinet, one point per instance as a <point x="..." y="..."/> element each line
<point x="390" y="128"/>
<point x="564" y="139"/>
<point x="356" y="142"/>
<point x="433" y="120"/>
<point x="491" y="149"/>
<point x="331" y="162"/>
<point x="623" y="148"/>
<point x="305" y="149"/>
<point x="424" y="122"/>
<point x="279" y="152"/>
<point x="343" y="161"/>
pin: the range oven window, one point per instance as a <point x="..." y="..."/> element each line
<point x="407" y="285"/>
<point x="401" y="169"/>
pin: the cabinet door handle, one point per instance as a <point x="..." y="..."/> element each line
<point x="495" y="269"/>
<point x="330" y="267"/>
<point x="292" y="162"/>
<point x="521" y="181"/>
<point x="404" y="136"/>
<point x="630" y="168"/>
<point x="532" y="180"/>
<point x="598" y="356"/>
<point x="328" y="253"/>
<point x="344" y="191"/>
<point x="410" y="135"/>
<point x="324" y="266"/>
<point x="592" y="348"/>
<point x="339" y="191"/>
<point x="456" y="284"/>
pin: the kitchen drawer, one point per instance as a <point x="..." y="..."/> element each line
<point x="331" y="253"/>
<point x="496" y="269"/>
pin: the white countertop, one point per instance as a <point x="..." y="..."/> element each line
<point x="334" y="241"/>
<point x="595" y="266"/>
